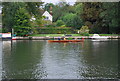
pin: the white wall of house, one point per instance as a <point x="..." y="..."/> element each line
<point x="48" y="16"/>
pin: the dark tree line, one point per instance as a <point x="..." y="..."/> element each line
<point x="100" y="17"/>
<point x="17" y="15"/>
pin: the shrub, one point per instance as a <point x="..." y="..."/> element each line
<point x="0" y="30"/>
<point x="62" y="26"/>
<point x="84" y="30"/>
<point x="60" y="23"/>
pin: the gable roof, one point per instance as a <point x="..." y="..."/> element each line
<point x="48" y="15"/>
<point x="46" y="12"/>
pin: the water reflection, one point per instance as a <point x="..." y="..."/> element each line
<point x="61" y="61"/>
<point x="0" y="60"/>
<point x="101" y="40"/>
<point x="23" y="61"/>
<point x="101" y="59"/>
<point x="34" y="59"/>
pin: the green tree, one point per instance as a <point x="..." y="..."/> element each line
<point x="8" y="14"/>
<point x="22" y="20"/>
<point x="91" y="12"/>
<point x="34" y="8"/>
<point x="72" y="20"/>
<point x="61" y="10"/>
<point x="110" y="17"/>
<point x="79" y="8"/>
<point x="101" y="17"/>
<point x="12" y="10"/>
<point x="48" y="7"/>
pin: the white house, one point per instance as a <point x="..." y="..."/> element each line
<point x="47" y="15"/>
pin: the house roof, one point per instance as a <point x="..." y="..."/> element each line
<point x="47" y="13"/>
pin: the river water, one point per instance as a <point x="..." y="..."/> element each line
<point x="38" y="59"/>
<point x="0" y="60"/>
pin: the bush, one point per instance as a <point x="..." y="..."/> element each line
<point x="84" y="31"/>
<point x="22" y="30"/>
<point x="62" y="26"/>
<point x="60" y="23"/>
<point x="85" y="34"/>
<point x="54" y="30"/>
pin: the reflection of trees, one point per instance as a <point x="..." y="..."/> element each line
<point x="39" y="59"/>
<point x="7" y="46"/>
<point x="99" y="60"/>
<point x="0" y="59"/>
<point x="25" y="60"/>
<point x="61" y="59"/>
<point x="6" y="51"/>
<point x="63" y="50"/>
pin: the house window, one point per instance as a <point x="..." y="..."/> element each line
<point x="46" y="18"/>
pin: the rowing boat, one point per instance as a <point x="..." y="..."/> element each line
<point x="82" y="40"/>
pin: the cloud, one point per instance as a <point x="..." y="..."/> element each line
<point x="56" y="1"/>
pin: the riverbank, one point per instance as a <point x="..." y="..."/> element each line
<point x="56" y="37"/>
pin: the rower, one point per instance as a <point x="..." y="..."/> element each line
<point x="59" y="39"/>
<point x="64" y="38"/>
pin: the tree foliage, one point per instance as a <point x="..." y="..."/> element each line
<point x="22" y="22"/>
<point x="59" y="23"/>
<point x="110" y="17"/>
<point x="48" y="7"/>
<point x="61" y="10"/>
<point x="18" y="14"/>
<point x="72" y="20"/>
<point x="100" y="17"/>
<point x="84" y="30"/>
<point x="91" y="15"/>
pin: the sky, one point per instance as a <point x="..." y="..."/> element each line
<point x="56" y="1"/>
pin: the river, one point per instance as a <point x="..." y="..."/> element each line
<point x="38" y="59"/>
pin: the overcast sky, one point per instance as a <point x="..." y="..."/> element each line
<point x="56" y="1"/>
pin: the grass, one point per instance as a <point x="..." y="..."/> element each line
<point x="44" y="35"/>
<point x="55" y="35"/>
<point x="108" y="34"/>
<point x="105" y="34"/>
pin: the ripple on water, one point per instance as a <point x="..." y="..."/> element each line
<point x="43" y="60"/>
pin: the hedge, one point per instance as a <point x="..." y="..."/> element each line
<point x="54" y="30"/>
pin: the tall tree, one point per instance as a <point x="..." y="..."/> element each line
<point x="11" y="9"/>
<point x="90" y="16"/>
<point x="48" y="7"/>
<point x="61" y="10"/>
<point x="8" y="14"/>
<point x="72" y="20"/>
<point x="110" y="16"/>
<point x="34" y="8"/>
<point x="22" y="23"/>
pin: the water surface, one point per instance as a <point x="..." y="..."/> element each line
<point x="36" y="59"/>
<point x="0" y="59"/>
